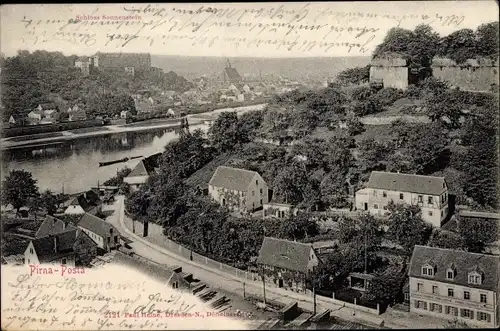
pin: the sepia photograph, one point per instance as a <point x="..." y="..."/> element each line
<point x="250" y="166"/>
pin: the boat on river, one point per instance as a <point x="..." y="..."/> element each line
<point x="125" y="159"/>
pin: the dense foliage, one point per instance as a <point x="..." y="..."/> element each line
<point x="422" y="44"/>
<point x="29" y="79"/>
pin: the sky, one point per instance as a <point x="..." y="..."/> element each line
<point x="298" y="29"/>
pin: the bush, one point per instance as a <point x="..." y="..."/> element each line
<point x="387" y="96"/>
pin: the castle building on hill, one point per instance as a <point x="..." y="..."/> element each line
<point x="393" y="71"/>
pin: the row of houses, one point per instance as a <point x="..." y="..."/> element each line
<point x="74" y="242"/>
<point x="46" y="113"/>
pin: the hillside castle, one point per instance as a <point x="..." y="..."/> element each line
<point x="128" y="62"/>
<point x="474" y="75"/>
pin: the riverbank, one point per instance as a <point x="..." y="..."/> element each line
<point x="40" y="139"/>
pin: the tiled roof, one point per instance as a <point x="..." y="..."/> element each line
<point x="284" y="254"/>
<point x="392" y="181"/>
<point x="478" y="214"/>
<point x="232" y="178"/>
<point x="52" y="226"/>
<point x="464" y="262"/>
<point x="232" y="75"/>
<point x="45" y="247"/>
<point x="146" y="166"/>
<point x="97" y="225"/>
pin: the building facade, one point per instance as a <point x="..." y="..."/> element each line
<point x="238" y="189"/>
<point x="428" y="192"/>
<point x="105" y="235"/>
<point x="286" y="264"/>
<point x="455" y="285"/>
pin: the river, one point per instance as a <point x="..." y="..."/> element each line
<point x="73" y="165"/>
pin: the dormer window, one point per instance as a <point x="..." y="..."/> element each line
<point x="475" y="278"/>
<point x="450" y="273"/>
<point x="428" y="270"/>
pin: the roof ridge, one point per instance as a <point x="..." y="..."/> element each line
<point x="405" y="174"/>
<point x="242" y="169"/>
<point x="455" y="250"/>
<point x="290" y="241"/>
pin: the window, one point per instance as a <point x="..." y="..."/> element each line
<point x="450" y="274"/>
<point x="261" y="201"/>
<point x="467" y="313"/>
<point x="242" y="194"/>
<point x="175" y="284"/>
<point x="385" y="207"/>
<point x="260" y="191"/>
<point x="481" y="316"/>
<point x="420" y="304"/>
<point x="428" y="271"/>
<point x="109" y="240"/>
<point x="483" y="298"/>
<point x="257" y="182"/>
<point x="420" y="287"/>
<point x="401" y="196"/>
<point x="474" y="278"/>
<point x="375" y="206"/>
<point x="429" y="200"/>
<point x="374" y="193"/>
<point x="384" y="194"/>
<point x="449" y="310"/>
<point x="466" y="295"/>
<point x="434" y="289"/>
<point x="420" y="199"/>
<point x="430" y="213"/>
<point x="442" y="213"/>
<point x="435" y="307"/>
<point x="63" y="261"/>
<point x="253" y="193"/>
<point x="451" y="292"/>
<point x="28" y="261"/>
<point x="116" y="239"/>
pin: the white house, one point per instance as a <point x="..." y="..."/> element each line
<point x="428" y="192"/>
<point x="238" y="189"/>
<point x="455" y="285"/>
<point x="104" y="234"/>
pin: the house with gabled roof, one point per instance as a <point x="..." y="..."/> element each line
<point x="104" y="234"/>
<point x="140" y="174"/>
<point x="83" y="203"/>
<point x="430" y="193"/>
<point x="53" y="226"/>
<point x="238" y="189"/>
<point x="455" y="285"/>
<point x="287" y="263"/>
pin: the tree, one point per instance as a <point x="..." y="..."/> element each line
<point x="49" y="202"/>
<point x="358" y="75"/>
<point x="458" y="46"/>
<point x="386" y="286"/>
<point x="354" y="126"/>
<point x="447" y="239"/>
<point x="250" y="122"/>
<point x="18" y="187"/>
<point x="298" y="227"/>
<point x="406" y="227"/>
<point x="291" y="183"/>
<point x="487" y="40"/>
<point x="225" y="133"/>
<point x="334" y="190"/>
<point x="480" y="160"/>
<point x="478" y="233"/>
<point x="372" y="155"/>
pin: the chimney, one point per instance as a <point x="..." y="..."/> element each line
<point x="55" y="244"/>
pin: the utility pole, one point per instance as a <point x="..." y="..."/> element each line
<point x="314" y="296"/>
<point x="264" y="287"/>
<point x="243" y="290"/>
<point x="366" y="257"/>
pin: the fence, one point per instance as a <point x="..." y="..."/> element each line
<point x="157" y="237"/>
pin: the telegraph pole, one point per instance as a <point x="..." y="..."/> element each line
<point x="314" y="296"/>
<point x="366" y="257"/>
<point x="264" y="287"/>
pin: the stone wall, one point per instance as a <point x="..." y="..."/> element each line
<point x="468" y="78"/>
<point x="396" y="77"/>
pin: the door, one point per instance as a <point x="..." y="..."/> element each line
<point x="280" y="282"/>
<point x="366" y="205"/>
